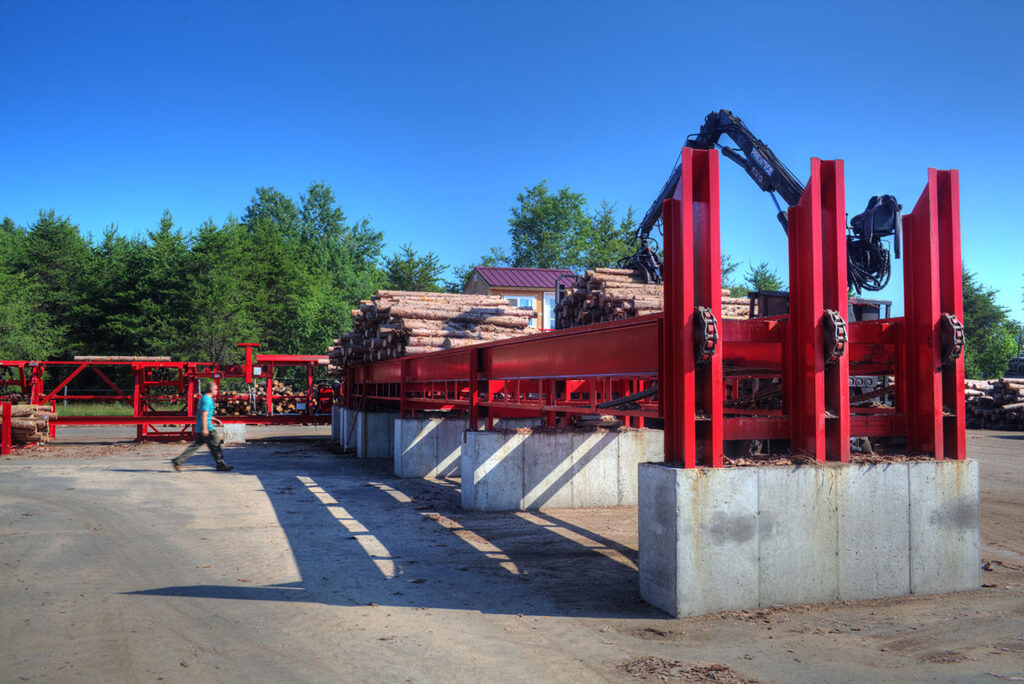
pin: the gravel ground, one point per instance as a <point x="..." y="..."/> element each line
<point x="302" y="565"/>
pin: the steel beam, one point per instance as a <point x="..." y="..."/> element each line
<point x="818" y="395"/>
<point x="692" y="279"/>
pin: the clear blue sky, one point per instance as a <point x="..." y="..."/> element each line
<point x="431" y="117"/>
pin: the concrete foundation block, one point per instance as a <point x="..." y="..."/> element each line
<point x="415" y="450"/>
<point x="234" y="433"/>
<point x="335" y="424"/>
<point x="711" y="544"/>
<point x="797" y="522"/>
<point x="594" y="476"/>
<point x="945" y="534"/>
<point x="547" y="469"/>
<point x="492" y="470"/>
<point x="636" y="447"/>
<point x="557" y="468"/>
<point x="449" y="446"/>
<point x="722" y="539"/>
<point x="874" y="530"/>
<point x="378" y="439"/>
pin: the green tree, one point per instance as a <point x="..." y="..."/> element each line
<point x="602" y="241"/>
<point x="26" y="329"/>
<point x="557" y="230"/>
<point x="543" y="226"/>
<point x="735" y="287"/>
<point x="761" y="277"/>
<point x="54" y="252"/>
<point x="988" y="329"/>
<point x="219" y="293"/>
<point x="406" y="270"/>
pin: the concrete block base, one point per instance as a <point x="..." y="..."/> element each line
<point x="234" y="433"/>
<point x="371" y="434"/>
<point x="531" y="469"/>
<point x="432" y="447"/>
<point x="743" y="538"/>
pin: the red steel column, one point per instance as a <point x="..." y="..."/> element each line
<point x="951" y="301"/>
<point x="692" y="278"/>
<point x="835" y="296"/>
<point x="5" y="429"/>
<point x="819" y="403"/>
<point x="922" y="395"/>
<point x="474" y="389"/>
<point x="138" y="374"/>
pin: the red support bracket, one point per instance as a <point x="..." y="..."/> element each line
<point x="933" y="392"/>
<point x="818" y="367"/>
<point x="691" y="388"/>
<point x="5" y="429"/>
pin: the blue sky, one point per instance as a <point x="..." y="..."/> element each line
<point x="430" y="117"/>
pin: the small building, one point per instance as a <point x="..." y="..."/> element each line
<point x="533" y="287"/>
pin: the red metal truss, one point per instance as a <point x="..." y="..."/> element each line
<point x="155" y="384"/>
<point x="811" y="353"/>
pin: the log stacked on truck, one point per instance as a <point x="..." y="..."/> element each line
<point x="395" y="323"/>
<point x="611" y="294"/>
<point x="30" y="423"/>
<point x="995" y="404"/>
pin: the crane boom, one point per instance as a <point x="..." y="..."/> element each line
<point x="868" y="258"/>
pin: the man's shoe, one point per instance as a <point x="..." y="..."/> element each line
<point x="176" y="466"/>
<point x="224" y="467"/>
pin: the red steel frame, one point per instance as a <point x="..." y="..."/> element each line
<point x="183" y="389"/>
<point x="556" y="374"/>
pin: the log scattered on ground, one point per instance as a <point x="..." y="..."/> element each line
<point x="396" y="323"/>
<point x="612" y="294"/>
<point x="995" y="404"/>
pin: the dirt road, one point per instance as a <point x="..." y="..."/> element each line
<point x="305" y="566"/>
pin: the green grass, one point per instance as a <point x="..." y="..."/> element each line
<point x="104" y="408"/>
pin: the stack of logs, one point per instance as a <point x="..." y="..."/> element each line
<point x="242" y="404"/>
<point x="395" y="323"/>
<point x="995" y="404"/>
<point x="30" y="423"/>
<point x="611" y="294"/>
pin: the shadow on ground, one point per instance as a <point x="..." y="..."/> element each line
<point x="360" y="536"/>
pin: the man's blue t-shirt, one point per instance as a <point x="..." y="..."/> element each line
<point x="205" y="404"/>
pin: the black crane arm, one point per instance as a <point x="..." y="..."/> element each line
<point x="868" y="260"/>
<point x="757" y="159"/>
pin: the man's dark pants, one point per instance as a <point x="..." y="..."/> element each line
<point x="212" y="440"/>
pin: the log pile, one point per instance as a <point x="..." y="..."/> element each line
<point x="395" y="323"/>
<point x="995" y="404"/>
<point x="30" y="423"/>
<point x="611" y="294"/>
<point x="256" y="401"/>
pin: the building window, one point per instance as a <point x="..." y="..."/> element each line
<point x="529" y="302"/>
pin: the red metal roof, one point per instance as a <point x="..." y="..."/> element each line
<point x="540" y="278"/>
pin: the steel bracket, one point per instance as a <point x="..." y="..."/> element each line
<point x="952" y="338"/>
<point x="707" y="336"/>
<point x="836" y="337"/>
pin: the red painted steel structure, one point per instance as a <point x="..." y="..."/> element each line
<point x="558" y="374"/>
<point x="692" y="393"/>
<point x="5" y="429"/>
<point x="174" y="382"/>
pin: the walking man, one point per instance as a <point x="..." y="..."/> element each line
<point x="205" y="434"/>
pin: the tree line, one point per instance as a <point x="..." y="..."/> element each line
<point x="287" y="272"/>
